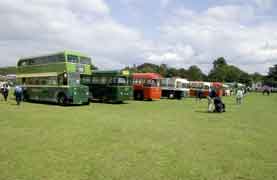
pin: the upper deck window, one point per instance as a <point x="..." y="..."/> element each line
<point x="85" y="60"/>
<point x="72" y="59"/>
<point x="23" y="63"/>
<point x="42" y="60"/>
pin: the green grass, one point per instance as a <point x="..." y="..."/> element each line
<point x="167" y="140"/>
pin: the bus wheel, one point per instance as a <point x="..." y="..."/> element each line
<point x="87" y="103"/>
<point x="62" y="100"/>
<point x="25" y="97"/>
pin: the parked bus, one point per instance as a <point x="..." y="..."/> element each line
<point x="176" y="88"/>
<point x="146" y="86"/>
<point x="109" y="86"/>
<point x="54" y="77"/>
<point x="196" y="86"/>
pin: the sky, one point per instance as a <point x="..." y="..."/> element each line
<point x="119" y="33"/>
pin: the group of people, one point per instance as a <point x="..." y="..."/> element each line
<point x="18" y="93"/>
<point x="215" y="104"/>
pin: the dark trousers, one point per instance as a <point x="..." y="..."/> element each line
<point x="18" y="100"/>
<point x="5" y="94"/>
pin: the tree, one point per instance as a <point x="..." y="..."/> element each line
<point x="273" y="72"/>
<point x="271" y="78"/>
<point x="195" y="74"/>
<point x="220" y="62"/>
<point x="183" y="73"/>
<point x="257" y="77"/>
<point x="163" y="70"/>
<point x="219" y="71"/>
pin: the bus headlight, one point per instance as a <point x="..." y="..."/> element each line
<point x="87" y="93"/>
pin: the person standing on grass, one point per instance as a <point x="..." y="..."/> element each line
<point x="210" y="98"/>
<point x="266" y="90"/>
<point x="5" y="91"/>
<point x="239" y="96"/>
<point x="18" y="94"/>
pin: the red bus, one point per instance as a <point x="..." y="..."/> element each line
<point x="147" y="86"/>
<point x="195" y="86"/>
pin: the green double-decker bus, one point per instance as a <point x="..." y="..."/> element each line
<point x="55" y="77"/>
<point x="109" y="86"/>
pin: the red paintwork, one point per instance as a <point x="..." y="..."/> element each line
<point x="146" y="76"/>
<point x="148" y="92"/>
<point x="192" y="92"/>
<point x="194" y="88"/>
<point x="219" y="88"/>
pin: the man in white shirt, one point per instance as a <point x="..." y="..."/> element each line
<point x="239" y="96"/>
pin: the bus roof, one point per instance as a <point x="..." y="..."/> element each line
<point x="147" y="76"/>
<point x="111" y="73"/>
<point x="60" y="52"/>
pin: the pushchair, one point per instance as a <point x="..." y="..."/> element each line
<point x="219" y="105"/>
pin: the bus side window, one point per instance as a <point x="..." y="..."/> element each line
<point x="103" y="80"/>
<point x="23" y="80"/>
<point x="62" y="79"/>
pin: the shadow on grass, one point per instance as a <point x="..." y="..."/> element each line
<point x="109" y="102"/>
<point x="51" y="103"/>
<point x="204" y="112"/>
<point x="207" y="112"/>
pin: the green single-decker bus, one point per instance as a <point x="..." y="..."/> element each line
<point x="109" y="86"/>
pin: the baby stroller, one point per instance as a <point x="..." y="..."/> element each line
<point x="219" y="105"/>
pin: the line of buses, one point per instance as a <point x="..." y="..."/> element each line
<point x="66" y="78"/>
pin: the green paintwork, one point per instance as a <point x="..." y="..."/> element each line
<point x="109" y="92"/>
<point x="74" y="93"/>
<point x="52" y="93"/>
<point x="111" y="73"/>
<point x="56" y="67"/>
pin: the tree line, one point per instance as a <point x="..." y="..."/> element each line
<point x="220" y="72"/>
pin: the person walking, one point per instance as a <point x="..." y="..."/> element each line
<point x="239" y="96"/>
<point x="266" y="90"/>
<point x="18" y="94"/>
<point x="5" y="91"/>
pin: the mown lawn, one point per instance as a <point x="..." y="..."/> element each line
<point x="167" y="140"/>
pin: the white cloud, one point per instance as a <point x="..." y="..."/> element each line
<point x="264" y="4"/>
<point x="230" y="31"/>
<point x="165" y="3"/>
<point x="184" y="38"/>
<point x="35" y="27"/>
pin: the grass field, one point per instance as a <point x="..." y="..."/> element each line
<point x="167" y="140"/>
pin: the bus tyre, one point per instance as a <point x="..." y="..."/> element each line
<point x="25" y="96"/>
<point x="62" y="100"/>
<point x="87" y="103"/>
